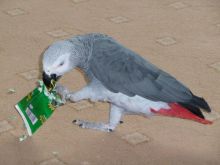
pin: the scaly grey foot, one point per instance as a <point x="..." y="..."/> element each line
<point x="94" y="125"/>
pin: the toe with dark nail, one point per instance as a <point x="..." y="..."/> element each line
<point x="74" y="121"/>
<point x="110" y="130"/>
<point x="121" y="122"/>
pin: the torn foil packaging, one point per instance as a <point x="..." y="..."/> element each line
<point x="37" y="107"/>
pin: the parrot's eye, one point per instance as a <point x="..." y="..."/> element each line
<point x="61" y="64"/>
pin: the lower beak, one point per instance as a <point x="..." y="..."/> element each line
<point x="50" y="80"/>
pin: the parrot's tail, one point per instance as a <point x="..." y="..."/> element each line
<point x="176" y="110"/>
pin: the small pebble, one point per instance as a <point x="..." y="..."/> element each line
<point x="11" y="91"/>
<point x="55" y="153"/>
<point x="12" y="117"/>
<point x="22" y="138"/>
<point x="85" y="163"/>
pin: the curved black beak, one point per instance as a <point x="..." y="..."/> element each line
<point x="49" y="80"/>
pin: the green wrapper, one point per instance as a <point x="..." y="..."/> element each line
<point x="37" y="107"/>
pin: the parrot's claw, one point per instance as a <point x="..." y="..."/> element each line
<point x="93" y="125"/>
<point x="63" y="92"/>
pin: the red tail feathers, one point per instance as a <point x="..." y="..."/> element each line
<point x="178" y="111"/>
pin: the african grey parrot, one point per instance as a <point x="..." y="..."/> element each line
<point x="117" y="75"/>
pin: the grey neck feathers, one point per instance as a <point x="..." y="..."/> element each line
<point x="81" y="50"/>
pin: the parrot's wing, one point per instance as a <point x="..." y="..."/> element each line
<point x="121" y="70"/>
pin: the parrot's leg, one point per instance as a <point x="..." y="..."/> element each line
<point x="62" y="91"/>
<point x="65" y="94"/>
<point x="82" y="94"/>
<point x="114" y="120"/>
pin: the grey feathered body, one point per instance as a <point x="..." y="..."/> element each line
<point x="116" y="69"/>
<point x="121" y="70"/>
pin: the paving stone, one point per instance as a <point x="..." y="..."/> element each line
<point x="85" y="163"/>
<point x="53" y="161"/>
<point x="216" y="66"/>
<point x="166" y="41"/>
<point x="58" y="33"/>
<point x="30" y="75"/>
<point x="119" y="19"/>
<point x="81" y="105"/>
<point x="15" y="12"/>
<point x="136" y="138"/>
<point x="5" y="126"/>
<point x="79" y="1"/>
<point x="214" y="115"/>
<point x="178" y="5"/>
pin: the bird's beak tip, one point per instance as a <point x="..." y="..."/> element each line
<point x="46" y="79"/>
<point x="50" y="80"/>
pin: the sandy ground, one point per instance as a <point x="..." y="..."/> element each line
<point x="181" y="37"/>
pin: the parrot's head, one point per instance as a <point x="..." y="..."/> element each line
<point x="57" y="61"/>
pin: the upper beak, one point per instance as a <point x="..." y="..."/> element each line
<point x="49" y="80"/>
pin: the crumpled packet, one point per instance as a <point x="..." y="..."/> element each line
<point x="37" y="107"/>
